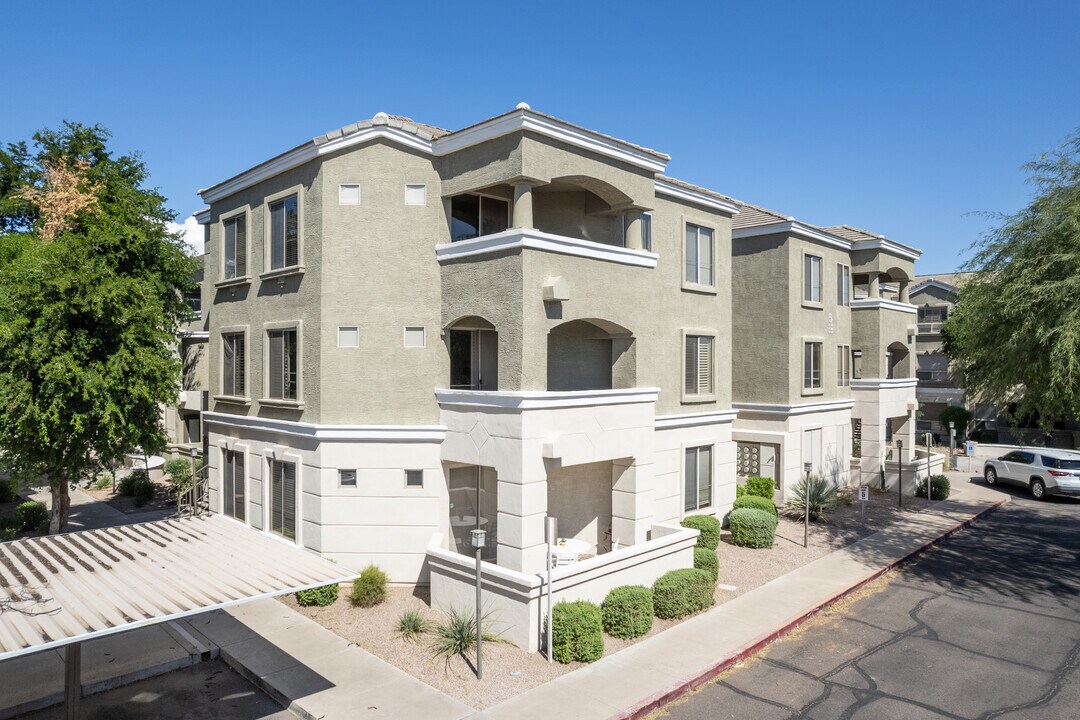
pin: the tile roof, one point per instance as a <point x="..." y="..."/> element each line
<point x="421" y="130"/>
<point x="698" y="188"/>
<point x="754" y="215"/>
<point x="853" y="233"/>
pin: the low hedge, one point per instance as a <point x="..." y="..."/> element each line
<point x="760" y="487"/>
<point x="370" y="588"/>
<point x="939" y="484"/>
<point x="708" y="561"/>
<point x="627" y="611"/>
<point x="709" y="528"/>
<point x="752" y="528"/>
<point x="320" y="596"/>
<point x="31" y="515"/>
<point x="740" y="490"/>
<point x="683" y="592"/>
<point x="577" y="632"/>
<point x="755" y="501"/>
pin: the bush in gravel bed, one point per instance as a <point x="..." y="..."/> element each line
<point x="760" y="487"/>
<point x="627" y="611"/>
<point x="752" y="528"/>
<point x="31" y="514"/>
<point x="706" y="560"/>
<point x="755" y="501"/>
<point x="320" y="596"/>
<point x="822" y="494"/>
<point x="370" y="588"/>
<point x="413" y="624"/>
<point x="939" y="485"/>
<point x="577" y="632"/>
<point x="709" y="528"/>
<point x="682" y="592"/>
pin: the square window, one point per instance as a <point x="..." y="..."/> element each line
<point x="348" y="336"/>
<point x="415" y="337"/>
<point x="347" y="478"/>
<point x="416" y="194"/>
<point x="348" y="194"/>
<point x="414" y="478"/>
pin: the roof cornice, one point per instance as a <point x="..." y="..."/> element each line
<point x="697" y="197"/>
<point x="792" y="227"/>
<point x="933" y="283"/>
<point x="891" y="246"/>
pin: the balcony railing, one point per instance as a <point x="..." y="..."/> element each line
<point x="517" y="238"/>
<point x="930" y="328"/>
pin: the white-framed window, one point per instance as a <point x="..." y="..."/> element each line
<point x="283" y="376"/>
<point x="348" y="336"/>
<point x="235" y="247"/>
<point x="843" y="365"/>
<point x="415" y="336"/>
<point x="843" y="285"/>
<point x="283" y="498"/>
<point x="233" y="361"/>
<point x="856" y="364"/>
<point x="699" y="255"/>
<point x="699" y="365"/>
<point x="414" y="478"/>
<point x="349" y="194"/>
<point x="285" y="233"/>
<point x="812" y="366"/>
<point x="646" y="231"/>
<point x="232" y="482"/>
<point x="811" y="278"/>
<point x="697" y="478"/>
<point x="416" y="194"/>
<point x="347" y="478"/>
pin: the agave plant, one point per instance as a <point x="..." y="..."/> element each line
<point x="821" y="493"/>
<point x="457" y="636"/>
<point x="413" y="624"/>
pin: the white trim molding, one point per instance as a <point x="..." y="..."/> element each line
<point x="385" y="433"/>
<point x="883" y="383"/>
<point x="516" y="238"/>
<point x="663" y="186"/>
<point x="883" y="304"/>
<point x="790" y="410"/>
<point x="792" y="227"/>
<point x="709" y="417"/>
<point x="919" y="287"/>
<point x="203" y="216"/>
<point x="889" y="246"/>
<point x="540" y="400"/>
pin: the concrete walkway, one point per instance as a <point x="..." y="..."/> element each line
<point x="88" y="513"/>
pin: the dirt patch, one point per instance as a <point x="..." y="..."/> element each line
<point x="163" y="499"/>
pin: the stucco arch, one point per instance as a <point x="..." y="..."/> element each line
<point x="590" y="354"/>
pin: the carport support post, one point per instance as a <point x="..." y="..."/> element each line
<point x="900" y="472"/>
<point x="551" y="534"/>
<point x="72" y="680"/>
<point x="806" y="514"/>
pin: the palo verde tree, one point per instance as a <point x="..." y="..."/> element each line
<point x="1015" y="332"/>
<point x="91" y="295"/>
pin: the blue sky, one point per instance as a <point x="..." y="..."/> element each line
<point x="902" y="118"/>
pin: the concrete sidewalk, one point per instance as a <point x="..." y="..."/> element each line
<point x="88" y="513"/>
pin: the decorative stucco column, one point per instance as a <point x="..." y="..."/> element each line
<point x="522" y="506"/>
<point x="875" y="285"/>
<point x="633" y="229"/>
<point x="905" y="297"/>
<point x="631" y="500"/>
<point x="523" y="205"/>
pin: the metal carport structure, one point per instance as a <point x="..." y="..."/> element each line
<point x="61" y="590"/>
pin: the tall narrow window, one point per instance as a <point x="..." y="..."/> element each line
<point x="283" y="365"/>
<point x="646" y="231"/>
<point x="232" y="476"/>
<point x="812" y="365"/>
<point x="284" y="233"/>
<point x="232" y="379"/>
<point x="843" y="365"/>
<point x="811" y="278"/>
<point x="697" y="474"/>
<point x="843" y="285"/>
<point x="283" y="498"/>
<point x="235" y="247"/>
<point x="699" y="365"/>
<point x="699" y="255"/>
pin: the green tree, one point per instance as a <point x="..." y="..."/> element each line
<point x="1015" y="332"/>
<point x="957" y="415"/>
<point x="91" y="295"/>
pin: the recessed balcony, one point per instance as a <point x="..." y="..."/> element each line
<point x="527" y="239"/>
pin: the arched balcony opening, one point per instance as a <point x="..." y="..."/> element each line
<point x="898" y="361"/>
<point x="590" y="354"/>
<point x="473" y="344"/>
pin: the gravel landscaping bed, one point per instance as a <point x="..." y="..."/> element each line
<point x="508" y="671"/>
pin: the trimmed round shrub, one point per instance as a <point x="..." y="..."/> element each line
<point x="709" y="527"/>
<point x="7" y="491"/>
<point x="740" y="490"/>
<point x="683" y="592"/>
<point x="706" y="560"/>
<point x="755" y="501"/>
<point x="752" y="528"/>
<point x="760" y="487"/>
<point x="370" y="588"/>
<point x="31" y="514"/>
<point x="628" y="610"/>
<point x="577" y="632"/>
<point x="320" y="596"/>
<point x="939" y="484"/>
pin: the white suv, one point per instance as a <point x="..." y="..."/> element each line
<point x="1041" y="470"/>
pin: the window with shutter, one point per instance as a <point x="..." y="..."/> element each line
<point x="235" y="250"/>
<point x="233" y="358"/>
<point x="233" y="483"/>
<point x="284" y="233"/>
<point x="699" y="364"/>
<point x="283" y="498"/>
<point x="239" y="482"/>
<point x="283" y="381"/>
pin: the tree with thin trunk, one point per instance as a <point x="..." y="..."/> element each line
<point x="91" y="294"/>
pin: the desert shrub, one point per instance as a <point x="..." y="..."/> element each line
<point x="939" y="485"/>
<point x="7" y="491"/>
<point x="752" y="528"/>
<point x="370" y="588"/>
<point x="705" y="559"/>
<point x="320" y="596"/>
<point x="577" y="632"/>
<point x="683" y="592"/>
<point x="9" y="528"/>
<point x="143" y="489"/>
<point x="128" y="482"/>
<point x="709" y="527"/>
<point x="180" y="477"/>
<point x="457" y="635"/>
<point x="755" y="501"/>
<point x="760" y="487"/>
<point x="31" y="514"/>
<point x="627" y="611"/>
<point x="740" y="490"/>
<point x="412" y="624"/>
<point x="103" y="480"/>
<point x="822" y="494"/>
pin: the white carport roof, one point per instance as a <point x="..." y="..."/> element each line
<point x="63" y="589"/>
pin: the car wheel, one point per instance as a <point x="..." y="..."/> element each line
<point x="991" y="476"/>
<point x="1038" y="489"/>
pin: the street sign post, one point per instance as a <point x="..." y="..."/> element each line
<point x="970" y="450"/>
<point x="864" y="495"/>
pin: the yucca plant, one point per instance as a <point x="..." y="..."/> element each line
<point x="457" y="636"/>
<point x="412" y="624"/>
<point x="822" y="494"/>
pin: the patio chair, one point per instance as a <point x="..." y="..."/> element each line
<point x="559" y="559"/>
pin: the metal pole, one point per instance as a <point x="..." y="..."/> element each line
<point x="479" y="633"/>
<point x="900" y="472"/>
<point x="551" y="532"/>
<point x="929" y="492"/>
<point x="72" y="680"/>
<point x="806" y="512"/>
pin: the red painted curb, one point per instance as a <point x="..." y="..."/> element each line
<point x="658" y="700"/>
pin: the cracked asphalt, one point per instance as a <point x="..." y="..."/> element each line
<point x="985" y="626"/>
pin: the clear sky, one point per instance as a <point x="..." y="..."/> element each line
<point x="901" y="118"/>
